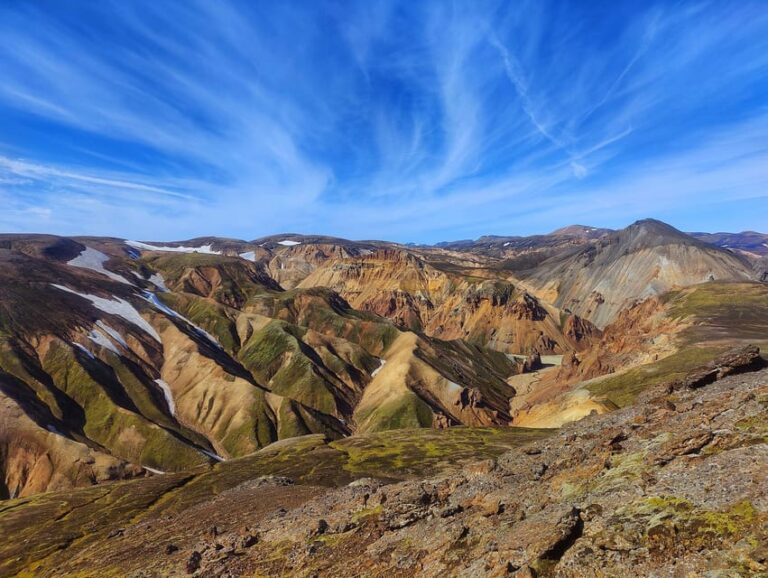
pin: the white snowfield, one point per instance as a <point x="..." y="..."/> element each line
<point x="116" y="306"/>
<point x="157" y="280"/>
<point x="379" y="368"/>
<point x="166" y="389"/>
<point x="152" y="298"/>
<point x="248" y="255"/>
<point x="289" y="243"/>
<point x="94" y="260"/>
<point x="207" y="249"/>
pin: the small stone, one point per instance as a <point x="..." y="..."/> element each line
<point x="320" y="528"/>
<point x="248" y="540"/>
<point x="193" y="563"/>
<point x="524" y="572"/>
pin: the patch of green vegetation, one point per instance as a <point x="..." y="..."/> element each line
<point x="674" y="516"/>
<point x="49" y="527"/>
<point x="324" y="311"/>
<point x="756" y="425"/>
<point x="276" y="356"/>
<point x="111" y="418"/>
<point x="263" y="353"/>
<point x="298" y="379"/>
<point x="722" y="310"/>
<point x="624" y="468"/>
<point x="210" y="316"/>
<point x="623" y="388"/>
<point x="405" y="453"/>
<point x="12" y="364"/>
<point x="366" y="513"/>
<point x="406" y="411"/>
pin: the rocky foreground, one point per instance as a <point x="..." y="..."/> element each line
<point x="675" y="485"/>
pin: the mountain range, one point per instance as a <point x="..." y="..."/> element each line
<point x="139" y="379"/>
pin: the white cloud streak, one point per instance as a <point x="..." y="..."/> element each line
<point x="241" y="120"/>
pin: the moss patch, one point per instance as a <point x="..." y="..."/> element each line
<point x="622" y="389"/>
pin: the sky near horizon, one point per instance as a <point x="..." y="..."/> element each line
<point x="407" y="121"/>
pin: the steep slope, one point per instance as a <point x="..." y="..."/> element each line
<point x="645" y="259"/>
<point x="294" y="257"/>
<point x="451" y="303"/>
<point x="126" y="355"/>
<point x="656" y="340"/>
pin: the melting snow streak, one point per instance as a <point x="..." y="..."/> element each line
<point x="152" y="298"/>
<point x="379" y="368"/>
<point x="166" y="389"/>
<point x="116" y="306"/>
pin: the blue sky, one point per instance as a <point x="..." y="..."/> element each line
<point x="409" y="121"/>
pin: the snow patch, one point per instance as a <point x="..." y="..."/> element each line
<point x="454" y="387"/>
<point x="112" y="333"/>
<point x="211" y="455"/>
<point x="207" y="249"/>
<point x="102" y="340"/>
<point x="506" y="244"/>
<point x="119" y="307"/>
<point x="94" y="260"/>
<point x="157" y="280"/>
<point x="153" y="299"/>
<point x="248" y="255"/>
<point x="153" y="470"/>
<point x="379" y="368"/>
<point x="84" y="349"/>
<point x="288" y="243"/>
<point x="166" y="389"/>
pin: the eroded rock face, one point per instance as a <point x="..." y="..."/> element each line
<point x="739" y="360"/>
<point x="416" y="295"/>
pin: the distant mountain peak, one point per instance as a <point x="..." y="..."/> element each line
<point x="647" y="233"/>
<point x="579" y="231"/>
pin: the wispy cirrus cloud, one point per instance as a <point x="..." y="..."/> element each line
<point x="187" y="118"/>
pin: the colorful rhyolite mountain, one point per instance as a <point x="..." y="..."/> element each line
<point x="186" y="362"/>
